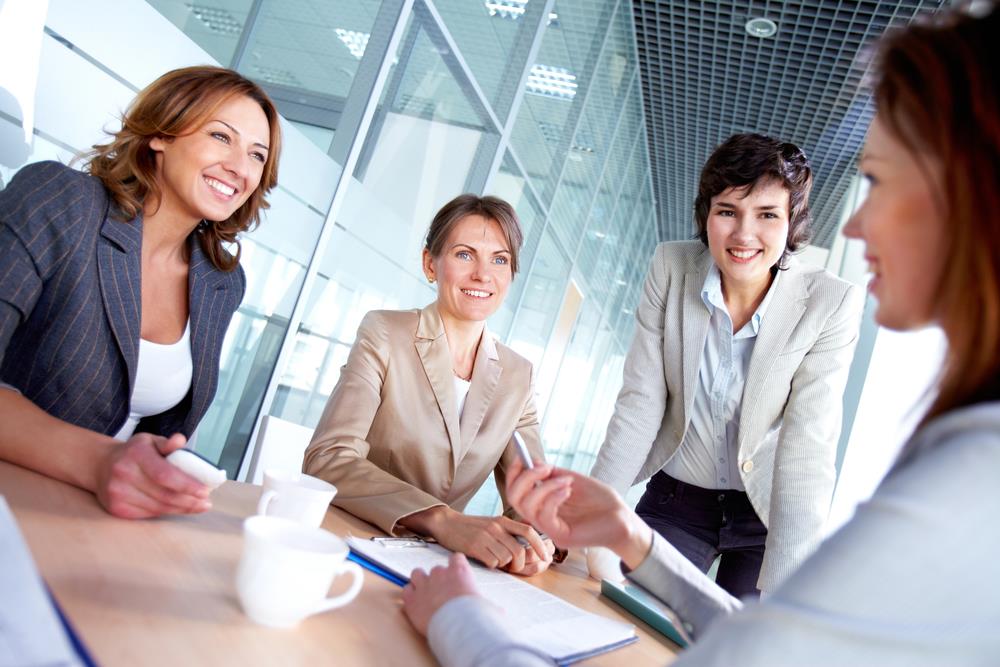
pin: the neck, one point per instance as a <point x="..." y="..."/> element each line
<point x="164" y="234"/>
<point x="743" y="299"/>
<point x="463" y="340"/>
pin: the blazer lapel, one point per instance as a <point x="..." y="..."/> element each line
<point x="485" y="378"/>
<point x="695" y="318"/>
<point x="204" y="284"/>
<point x="435" y="356"/>
<point x="784" y="312"/>
<point x="119" y="265"/>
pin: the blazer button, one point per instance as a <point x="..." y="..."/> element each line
<point x="747" y="466"/>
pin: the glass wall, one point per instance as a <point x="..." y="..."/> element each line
<point x="391" y="108"/>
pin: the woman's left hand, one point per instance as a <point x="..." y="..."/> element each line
<point x="426" y="593"/>
<point x="533" y="562"/>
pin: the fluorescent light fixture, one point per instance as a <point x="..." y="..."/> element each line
<point x="552" y="82"/>
<point x="513" y="9"/>
<point x="354" y="41"/>
<point x="216" y="19"/>
<point x="277" y="75"/>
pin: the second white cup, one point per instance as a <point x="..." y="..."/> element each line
<point x="296" y="496"/>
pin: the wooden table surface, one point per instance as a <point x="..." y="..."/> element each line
<point x="162" y="592"/>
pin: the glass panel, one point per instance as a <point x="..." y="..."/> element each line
<point x="543" y="294"/>
<point x="488" y="33"/>
<point x="548" y="114"/>
<point x="214" y="26"/>
<point x="510" y="185"/>
<point x="417" y="155"/>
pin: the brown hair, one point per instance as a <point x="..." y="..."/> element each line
<point x="747" y="160"/>
<point x="937" y="93"/>
<point x="491" y="208"/>
<point x="178" y="103"/>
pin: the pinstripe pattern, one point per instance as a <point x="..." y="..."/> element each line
<point x="70" y="304"/>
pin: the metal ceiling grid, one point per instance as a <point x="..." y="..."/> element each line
<point x="705" y="78"/>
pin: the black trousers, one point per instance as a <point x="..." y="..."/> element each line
<point x="704" y="524"/>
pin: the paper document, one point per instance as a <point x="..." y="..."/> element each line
<point x="547" y="622"/>
<point x="30" y="630"/>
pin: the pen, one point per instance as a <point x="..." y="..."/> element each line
<point x="522" y="451"/>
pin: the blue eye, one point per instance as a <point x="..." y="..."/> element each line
<point x="463" y="254"/>
<point x="500" y="260"/>
<point x="221" y="136"/>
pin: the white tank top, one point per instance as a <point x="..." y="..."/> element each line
<point x="162" y="380"/>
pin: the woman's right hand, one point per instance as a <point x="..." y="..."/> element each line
<point x="578" y="511"/>
<point x="135" y="481"/>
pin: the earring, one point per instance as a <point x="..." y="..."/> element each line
<point x="430" y="279"/>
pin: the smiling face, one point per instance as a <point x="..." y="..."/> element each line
<point x="903" y="230"/>
<point x="473" y="270"/>
<point x="747" y="233"/>
<point x="207" y="174"/>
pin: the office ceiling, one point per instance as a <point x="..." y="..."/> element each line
<point x="704" y="77"/>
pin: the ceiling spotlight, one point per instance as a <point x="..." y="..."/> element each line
<point x="761" y="28"/>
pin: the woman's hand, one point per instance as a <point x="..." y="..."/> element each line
<point x="426" y="593"/>
<point x="492" y="540"/>
<point x="578" y="511"/>
<point x="135" y="481"/>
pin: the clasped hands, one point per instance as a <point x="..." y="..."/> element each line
<point x="573" y="509"/>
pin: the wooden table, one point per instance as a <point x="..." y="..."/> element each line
<point x="161" y="592"/>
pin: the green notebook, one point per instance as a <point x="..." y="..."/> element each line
<point x="641" y="604"/>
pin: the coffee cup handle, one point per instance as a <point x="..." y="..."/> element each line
<point x="342" y="599"/>
<point x="265" y="500"/>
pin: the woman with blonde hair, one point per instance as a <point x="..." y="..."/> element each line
<point x="907" y="581"/>
<point x="117" y="286"/>
<point x="428" y="402"/>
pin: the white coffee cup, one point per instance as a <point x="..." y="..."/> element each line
<point x="293" y="495"/>
<point x="286" y="571"/>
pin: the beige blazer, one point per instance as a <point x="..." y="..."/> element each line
<point x="390" y="438"/>
<point x="797" y="375"/>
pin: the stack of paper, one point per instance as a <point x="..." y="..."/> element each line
<point x="565" y="632"/>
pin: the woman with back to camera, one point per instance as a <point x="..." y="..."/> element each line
<point x="427" y="403"/>
<point x="117" y="287"/>
<point x="907" y="580"/>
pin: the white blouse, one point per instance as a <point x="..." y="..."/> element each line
<point x="162" y="380"/>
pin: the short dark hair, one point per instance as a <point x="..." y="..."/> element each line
<point x="745" y="161"/>
<point x="491" y="208"/>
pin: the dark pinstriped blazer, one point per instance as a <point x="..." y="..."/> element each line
<point x="70" y="304"/>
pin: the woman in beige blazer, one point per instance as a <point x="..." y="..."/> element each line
<point x="428" y="401"/>
<point x="732" y="388"/>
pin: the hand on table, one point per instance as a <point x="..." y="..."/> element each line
<point x="493" y="542"/>
<point x="577" y="511"/>
<point x="136" y="482"/>
<point x="426" y="593"/>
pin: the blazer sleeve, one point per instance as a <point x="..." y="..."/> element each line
<point x="38" y="211"/>
<point x="529" y="429"/>
<point x="642" y="400"/>
<point x="339" y="449"/>
<point x="806" y="453"/>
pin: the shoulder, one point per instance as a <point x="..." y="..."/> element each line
<point x="673" y="251"/>
<point x="966" y="437"/>
<point x="823" y="288"/>
<point x="389" y="325"/>
<point x="50" y="190"/>
<point x="512" y="362"/>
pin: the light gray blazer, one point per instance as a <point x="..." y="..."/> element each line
<point x="797" y="374"/>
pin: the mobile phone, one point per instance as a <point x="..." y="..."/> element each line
<point x="522" y="451"/>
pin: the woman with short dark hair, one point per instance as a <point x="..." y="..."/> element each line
<point x="427" y="404"/>
<point x="731" y="399"/>
<point x="117" y="287"/>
